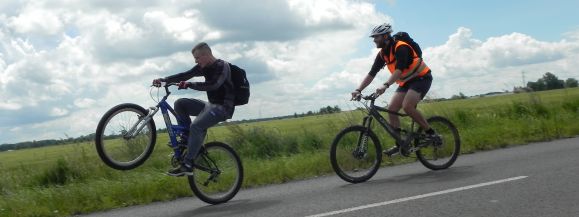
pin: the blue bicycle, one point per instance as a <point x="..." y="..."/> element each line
<point x="126" y="136"/>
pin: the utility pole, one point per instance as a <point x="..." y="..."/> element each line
<point x="523" y="74"/>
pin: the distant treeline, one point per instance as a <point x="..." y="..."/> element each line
<point x="90" y="137"/>
<point x="321" y="111"/>
<point x="549" y="81"/>
<point x="48" y="142"/>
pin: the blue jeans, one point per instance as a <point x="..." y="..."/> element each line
<point x="207" y="114"/>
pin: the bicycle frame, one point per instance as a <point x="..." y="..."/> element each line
<point x="373" y="113"/>
<point x="172" y="129"/>
<point x="165" y="108"/>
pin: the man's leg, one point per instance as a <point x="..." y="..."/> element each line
<point x="184" y="109"/>
<point x="395" y="105"/>
<point x="210" y="116"/>
<point x="409" y="105"/>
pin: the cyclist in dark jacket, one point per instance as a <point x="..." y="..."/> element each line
<point x="220" y="107"/>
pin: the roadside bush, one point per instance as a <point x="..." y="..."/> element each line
<point x="523" y="110"/>
<point x="59" y="174"/>
<point x="311" y="141"/>
<point x="290" y="145"/>
<point x="462" y="117"/>
<point x="262" y="143"/>
<point x="237" y="136"/>
<point x="571" y="106"/>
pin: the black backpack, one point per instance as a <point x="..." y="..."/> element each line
<point x="240" y="85"/>
<point x="403" y="36"/>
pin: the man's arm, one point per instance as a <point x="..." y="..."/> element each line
<point x="376" y="67"/>
<point x="183" y="76"/>
<point x="214" y="83"/>
<point x="393" y="77"/>
<point x="367" y="80"/>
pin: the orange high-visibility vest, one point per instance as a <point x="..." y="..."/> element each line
<point x="417" y="69"/>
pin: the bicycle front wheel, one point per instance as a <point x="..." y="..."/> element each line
<point x="356" y="154"/>
<point x="123" y="141"/>
<point x="442" y="151"/>
<point x="218" y="173"/>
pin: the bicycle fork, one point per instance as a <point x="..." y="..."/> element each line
<point x="141" y="123"/>
<point x="361" y="150"/>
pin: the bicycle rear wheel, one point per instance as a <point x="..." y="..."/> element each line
<point x="442" y="152"/>
<point x="218" y="173"/>
<point x="356" y="154"/>
<point x="115" y="147"/>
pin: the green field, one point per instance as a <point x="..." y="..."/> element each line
<point x="70" y="179"/>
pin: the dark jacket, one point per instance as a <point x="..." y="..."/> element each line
<point x="217" y="83"/>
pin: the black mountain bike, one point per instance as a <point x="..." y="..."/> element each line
<point x="356" y="152"/>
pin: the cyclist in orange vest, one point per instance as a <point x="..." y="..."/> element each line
<point x="407" y="70"/>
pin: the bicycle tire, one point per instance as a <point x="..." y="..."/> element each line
<point x="448" y="147"/>
<point x="349" y="162"/>
<point x="124" y="153"/>
<point x="222" y="158"/>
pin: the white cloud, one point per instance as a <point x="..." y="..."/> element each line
<point x="84" y="102"/>
<point x="332" y="12"/>
<point x="497" y="63"/>
<point x="8" y="105"/>
<point x="56" y="112"/>
<point x="36" y="20"/>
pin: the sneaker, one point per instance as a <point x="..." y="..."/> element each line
<point x="392" y="151"/>
<point x="183" y="170"/>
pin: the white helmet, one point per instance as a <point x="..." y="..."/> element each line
<point x="381" y="29"/>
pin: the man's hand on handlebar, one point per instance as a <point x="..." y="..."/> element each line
<point x="381" y="90"/>
<point x="157" y="82"/>
<point x="184" y="85"/>
<point x="359" y="97"/>
<point x="356" y="94"/>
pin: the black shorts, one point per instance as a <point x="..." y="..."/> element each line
<point x="420" y="85"/>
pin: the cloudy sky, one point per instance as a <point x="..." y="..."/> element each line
<point x="63" y="63"/>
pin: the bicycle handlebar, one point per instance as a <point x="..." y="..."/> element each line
<point x="370" y="97"/>
<point x="164" y="84"/>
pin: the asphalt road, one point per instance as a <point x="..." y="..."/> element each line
<point x="539" y="179"/>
